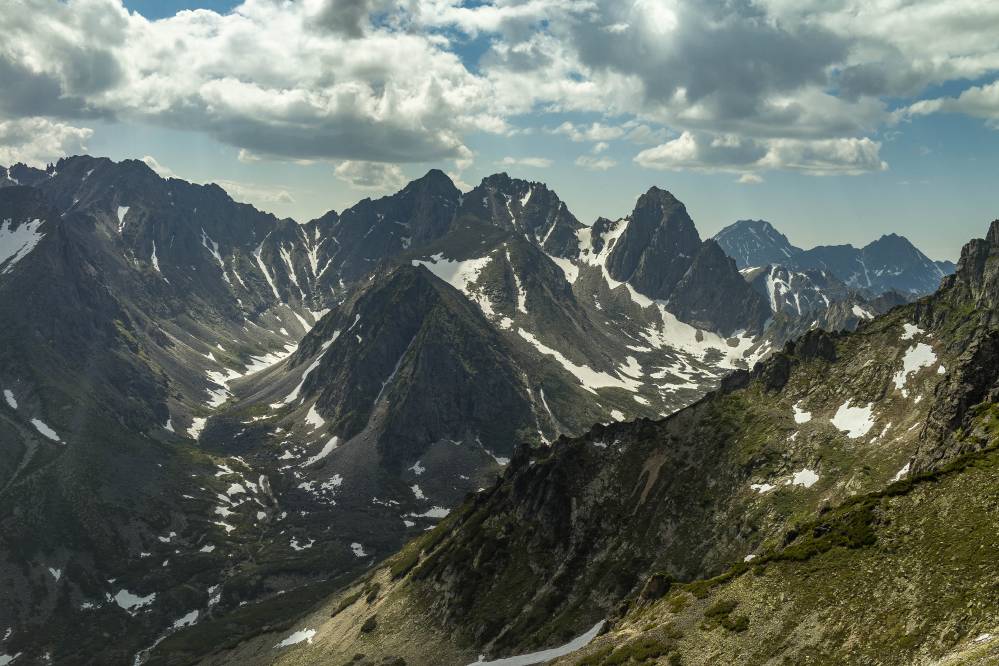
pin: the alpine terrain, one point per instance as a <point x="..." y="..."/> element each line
<point x="444" y="423"/>
<point x="837" y="503"/>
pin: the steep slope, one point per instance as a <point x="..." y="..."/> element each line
<point x="755" y="243"/>
<point x="216" y="417"/>
<point x="900" y="577"/>
<point x="129" y="305"/>
<point x="750" y="473"/>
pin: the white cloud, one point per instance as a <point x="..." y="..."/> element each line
<point x="258" y="78"/>
<point x="825" y="157"/>
<point x="750" y="179"/>
<point x="977" y="101"/>
<point x="371" y="176"/>
<point x="595" y="163"/>
<point x="161" y="170"/>
<point x="820" y="157"/>
<point x="716" y="85"/>
<point x="593" y="132"/>
<point x="536" y="162"/>
<point x="38" y="141"/>
<point x="458" y="182"/>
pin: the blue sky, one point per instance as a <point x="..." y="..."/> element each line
<point x="836" y="121"/>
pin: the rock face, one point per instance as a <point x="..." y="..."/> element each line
<point x="657" y="247"/>
<point x="799" y="468"/>
<point x="661" y="255"/>
<point x="712" y="294"/>
<point x="969" y="304"/>
<point x="890" y="263"/>
<point x="411" y="363"/>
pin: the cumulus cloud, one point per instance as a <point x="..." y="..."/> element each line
<point x="977" y="101"/>
<point x="707" y="84"/>
<point x="536" y="162"/>
<point x="820" y="157"/>
<point x="371" y="176"/>
<point x="252" y="78"/>
<point x="38" y="141"/>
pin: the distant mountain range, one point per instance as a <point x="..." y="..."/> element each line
<point x="209" y="411"/>
<point x="890" y="263"/>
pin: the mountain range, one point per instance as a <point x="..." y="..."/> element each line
<point x="835" y="504"/>
<point x="214" y="418"/>
<point x="890" y="263"/>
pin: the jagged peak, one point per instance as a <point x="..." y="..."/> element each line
<point x="993" y="234"/>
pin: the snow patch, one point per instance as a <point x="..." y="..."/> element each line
<point x="302" y="635"/>
<point x="313" y="418"/>
<point x="133" y="602"/>
<point x="358" y="550"/>
<point x="854" y="421"/>
<point x="326" y="450"/>
<point x="187" y="621"/>
<point x="45" y="430"/>
<point x="432" y="512"/>
<point x="589" y="378"/>
<point x="458" y="274"/>
<point x="918" y="356"/>
<point x="910" y="331"/>
<point x="8" y="395"/>
<point x="800" y="415"/>
<point x="122" y="212"/>
<point x="197" y="425"/>
<point x="805" y="477"/>
<point x="545" y="655"/>
<point x="16" y="244"/>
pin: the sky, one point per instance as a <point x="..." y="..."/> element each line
<point x="836" y="120"/>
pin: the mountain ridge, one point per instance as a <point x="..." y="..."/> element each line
<point x="888" y="263"/>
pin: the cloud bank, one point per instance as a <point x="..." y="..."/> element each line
<point x="710" y="85"/>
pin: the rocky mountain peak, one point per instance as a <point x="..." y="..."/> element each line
<point x="434" y="182"/>
<point x="657" y="246"/>
<point x="754" y="243"/>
